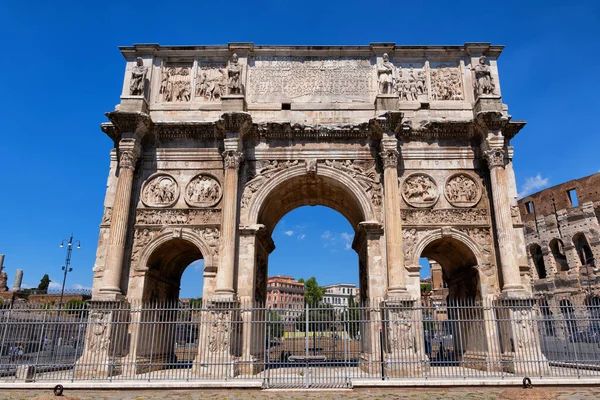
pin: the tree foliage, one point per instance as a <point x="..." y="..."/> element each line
<point x="313" y="293"/>
<point x="425" y="287"/>
<point x="351" y="318"/>
<point x="44" y="284"/>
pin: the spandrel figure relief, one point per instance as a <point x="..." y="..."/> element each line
<point x="160" y="191"/>
<point x="175" y="84"/>
<point x="203" y="191"/>
<point x="484" y="84"/>
<point x="138" y="76"/>
<point x="420" y="190"/>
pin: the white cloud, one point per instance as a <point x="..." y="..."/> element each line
<point x="326" y="235"/>
<point x="533" y="184"/>
<point x="300" y="237"/>
<point x="79" y="286"/>
<point x="288" y="233"/>
<point x="346" y="236"/>
<point x="54" y="285"/>
<point x="347" y="246"/>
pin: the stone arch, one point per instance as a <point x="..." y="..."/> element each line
<point x="329" y="176"/>
<point x="157" y="275"/>
<point x="450" y="233"/>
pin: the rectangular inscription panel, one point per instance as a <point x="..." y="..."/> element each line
<point x="311" y="80"/>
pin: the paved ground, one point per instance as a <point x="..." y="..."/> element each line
<point x="540" y="393"/>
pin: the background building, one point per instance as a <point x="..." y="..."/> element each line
<point x="562" y="235"/>
<point x="339" y="294"/>
<point x="286" y="294"/>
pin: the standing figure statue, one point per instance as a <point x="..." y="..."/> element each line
<point x="234" y="71"/>
<point x="483" y="78"/>
<point x="385" y="75"/>
<point x="138" y="75"/>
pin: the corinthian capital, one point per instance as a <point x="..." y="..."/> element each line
<point x="389" y="158"/>
<point x="494" y="157"/>
<point x="232" y="159"/>
<point x="128" y="159"/>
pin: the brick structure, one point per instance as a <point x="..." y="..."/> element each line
<point x="286" y="294"/>
<point x="562" y="234"/>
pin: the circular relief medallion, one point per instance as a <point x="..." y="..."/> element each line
<point x="160" y="190"/>
<point x="462" y="190"/>
<point x="203" y="191"/>
<point x="420" y="190"/>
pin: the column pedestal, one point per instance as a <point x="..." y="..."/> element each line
<point x="402" y="331"/>
<point x="219" y="345"/>
<point x="522" y="354"/>
<point x="105" y="340"/>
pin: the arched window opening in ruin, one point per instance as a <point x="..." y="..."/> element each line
<point x="547" y="322"/>
<point x="538" y="260"/>
<point x="558" y="252"/>
<point x="458" y="315"/>
<point x="593" y="305"/>
<point x="568" y="312"/>
<point x="584" y="251"/>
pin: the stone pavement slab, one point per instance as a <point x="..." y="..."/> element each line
<point x="539" y="393"/>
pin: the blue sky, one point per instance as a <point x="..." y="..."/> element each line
<point x="62" y="70"/>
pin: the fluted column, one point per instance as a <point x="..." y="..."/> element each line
<point x="232" y="159"/>
<point x="393" y="225"/>
<point x="128" y="155"/>
<point x="500" y="197"/>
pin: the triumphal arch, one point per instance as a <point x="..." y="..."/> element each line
<point x="213" y="145"/>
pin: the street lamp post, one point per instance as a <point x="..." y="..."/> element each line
<point x="66" y="270"/>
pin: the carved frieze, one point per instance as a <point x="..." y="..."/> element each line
<point x="461" y="190"/>
<point x="203" y="191"/>
<point x="160" y="190"/>
<point x="447" y="216"/>
<point x="308" y="79"/>
<point x="410" y="238"/>
<point x="399" y="330"/>
<point x="446" y="83"/>
<point x="107" y="216"/>
<point x="420" y="190"/>
<point x="141" y="238"/>
<point x="364" y="172"/>
<point x="98" y="337"/>
<point x="177" y="217"/>
<point x="483" y="238"/>
<point x="176" y="83"/>
<point x="211" y="81"/>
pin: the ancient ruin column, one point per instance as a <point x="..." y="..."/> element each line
<point x="504" y="227"/>
<point x="225" y="274"/>
<point x="129" y="152"/>
<point x="393" y="225"/>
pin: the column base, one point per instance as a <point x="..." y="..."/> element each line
<point x="385" y="102"/>
<point x="233" y="102"/>
<point x="480" y="360"/>
<point x="370" y="363"/>
<point x="250" y="366"/>
<point x="221" y="366"/>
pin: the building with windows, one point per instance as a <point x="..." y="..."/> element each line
<point x="287" y="295"/>
<point x="339" y="294"/>
<point x="562" y="235"/>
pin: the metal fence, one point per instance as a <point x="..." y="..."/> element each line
<point x="315" y="346"/>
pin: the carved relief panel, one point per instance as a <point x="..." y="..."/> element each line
<point x="211" y="81"/>
<point x="203" y="191"/>
<point x="462" y="190"/>
<point x="411" y="82"/>
<point x="176" y="82"/>
<point x="446" y="83"/>
<point x="160" y="190"/>
<point x="420" y="190"/>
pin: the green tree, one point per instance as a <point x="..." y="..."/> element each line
<point x="196" y="302"/>
<point x="313" y="293"/>
<point x="320" y="319"/>
<point x="44" y="283"/>
<point x="425" y="287"/>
